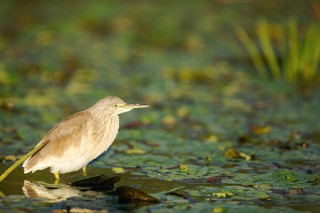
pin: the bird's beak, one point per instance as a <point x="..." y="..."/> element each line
<point x="133" y="106"/>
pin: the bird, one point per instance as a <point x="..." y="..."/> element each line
<point x="79" y="138"/>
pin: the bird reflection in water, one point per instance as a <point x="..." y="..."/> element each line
<point x="53" y="193"/>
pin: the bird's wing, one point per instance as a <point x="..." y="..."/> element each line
<point x="63" y="137"/>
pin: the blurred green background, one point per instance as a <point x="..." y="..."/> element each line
<point x="52" y="51"/>
<point x="184" y="58"/>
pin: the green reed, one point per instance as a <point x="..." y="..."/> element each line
<point x="284" y="52"/>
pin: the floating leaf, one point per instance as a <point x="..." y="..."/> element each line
<point x="135" y="151"/>
<point x="286" y="175"/>
<point x="223" y="194"/>
<point x="118" y="170"/>
<point x="245" y="156"/>
<point x="262" y="195"/>
<point x="9" y="158"/>
<point x="232" y="153"/>
<point x="128" y="194"/>
<point x="169" y="120"/>
<point x="182" y="111"/>
<point x="212" y="138"/>
<point x="219" y="209"/>
<point x="184" y="168"/>
<point x="259" y="130"/>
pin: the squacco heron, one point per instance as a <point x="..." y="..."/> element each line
<point x="79" y="138"/>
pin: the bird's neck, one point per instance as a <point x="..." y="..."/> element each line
<point x="100" y="113"/>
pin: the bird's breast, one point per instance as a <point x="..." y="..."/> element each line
<point x="109" y="131"/>
<point x="102" y="135"/>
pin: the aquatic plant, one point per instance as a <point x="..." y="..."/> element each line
<point x="284" y="51"/>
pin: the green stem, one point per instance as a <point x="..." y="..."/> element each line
<point x="266" y="44"/>
<point x="252" y="50"/>
<point x="16" y="164"/>
<point x="292" y="72"/>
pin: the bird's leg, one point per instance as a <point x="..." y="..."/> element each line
<point x="56" y="175"/>
<point x="84" y="171"/>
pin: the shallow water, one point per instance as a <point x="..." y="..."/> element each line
<point x="13" y="184"/>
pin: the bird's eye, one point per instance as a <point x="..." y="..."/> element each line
<point x="116" y="105"/>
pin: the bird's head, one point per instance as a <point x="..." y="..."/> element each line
<point x="114" y="106"/>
